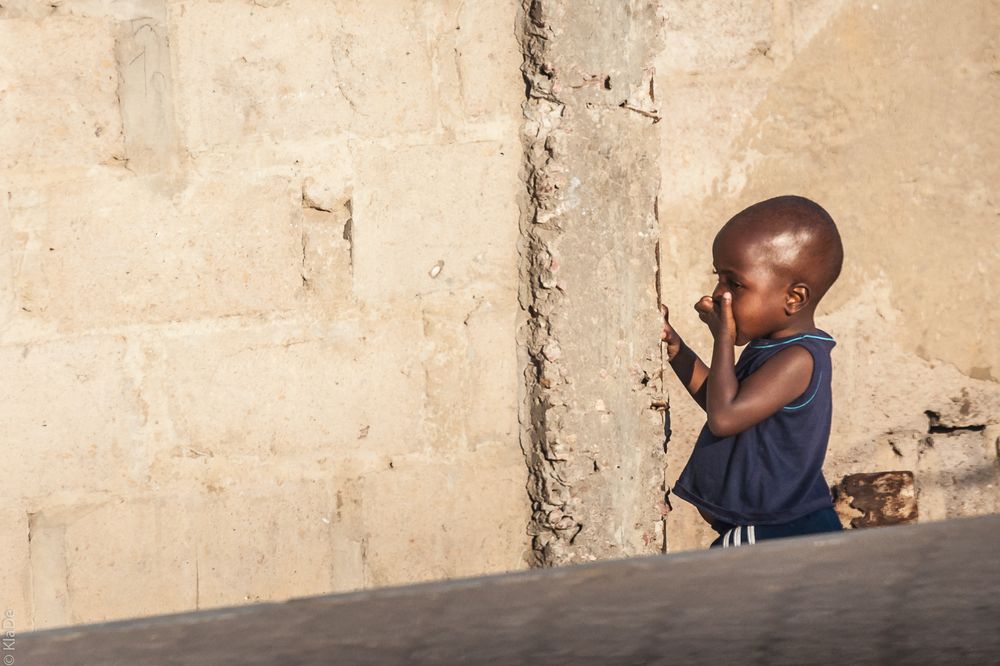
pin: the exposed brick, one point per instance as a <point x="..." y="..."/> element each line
<point x="883" y="498"/>
<point x="290" y="392"/>
<point x="489" y="71"/>
<point x="418" y="206"/>
<point x="300" y="70"/>
<point x="114" y="251"/>
<point x="263" y="544"/>
<point x="15" y="576"/>
<point x="470" y="366"/>
<point x="410" y="541"/>
<point x="49" y="450"/>
<point x="58" y="87"/>
<point x="74" y="547"/>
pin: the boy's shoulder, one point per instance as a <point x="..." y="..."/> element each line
<point x="816" y="342"/>
<point x="798" y="358"/>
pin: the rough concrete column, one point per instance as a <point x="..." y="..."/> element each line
<point x="591" y="428"/>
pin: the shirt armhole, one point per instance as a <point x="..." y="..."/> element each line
<point x="815" y="381"/>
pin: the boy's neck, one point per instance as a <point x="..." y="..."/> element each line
<point x="794" y="327"/>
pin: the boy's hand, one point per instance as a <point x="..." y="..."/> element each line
<point x="669" y="335"/>
<point x="718" y="316"/>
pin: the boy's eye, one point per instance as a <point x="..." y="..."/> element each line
<point x="729" y="282"/>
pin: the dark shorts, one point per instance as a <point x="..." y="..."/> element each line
<point x="817" y="522"/>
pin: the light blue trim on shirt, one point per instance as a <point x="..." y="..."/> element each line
<point x="815" y="391"/>
<point x="785" y="342"/>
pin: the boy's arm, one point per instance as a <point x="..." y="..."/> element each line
<point x="690" y="369"/>
<point x="732" y="406"/>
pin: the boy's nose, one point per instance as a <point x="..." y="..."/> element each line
<point x="718" y="292"/>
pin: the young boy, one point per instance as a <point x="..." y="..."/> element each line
<point x="756" y="469"/>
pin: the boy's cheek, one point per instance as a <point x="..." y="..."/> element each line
<point x="741" y="337"/>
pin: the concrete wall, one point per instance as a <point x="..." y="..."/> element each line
<point x="885" y="114"/>
<point x="260" y="271"/>
<point x="258" y="297"/>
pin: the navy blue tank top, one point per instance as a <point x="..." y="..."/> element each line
<point x="772" y="472"/>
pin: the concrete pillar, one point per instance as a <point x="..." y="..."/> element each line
<point x="592" y="429"/>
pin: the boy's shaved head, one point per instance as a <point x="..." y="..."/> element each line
<point x="797" y="238"/>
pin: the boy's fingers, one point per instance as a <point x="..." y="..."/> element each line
<point x="726" y="310"/>
<point x="705" y="305"/>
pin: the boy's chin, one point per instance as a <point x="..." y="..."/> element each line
<point x="742" y="339"/>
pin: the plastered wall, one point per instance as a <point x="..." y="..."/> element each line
<point x="260" y="268"/>
<point x="258" y="293"/>
<point x="885" y="114"/>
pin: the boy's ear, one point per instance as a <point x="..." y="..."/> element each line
<point x="797" y="298"/>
